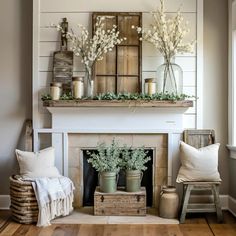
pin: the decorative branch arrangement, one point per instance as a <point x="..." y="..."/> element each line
<point x="167" y="34"/>
<point x="92" y="49"/>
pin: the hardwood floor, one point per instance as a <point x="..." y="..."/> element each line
<point x="195" y="225"/>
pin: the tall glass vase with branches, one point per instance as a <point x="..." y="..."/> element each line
<point x="167" y="35"/>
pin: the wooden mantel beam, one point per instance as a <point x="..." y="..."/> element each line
<point x="117" y="103"/>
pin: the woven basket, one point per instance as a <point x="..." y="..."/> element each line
<point x="24" y="205"/>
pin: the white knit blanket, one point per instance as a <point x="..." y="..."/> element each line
<point x="54" y="196"/>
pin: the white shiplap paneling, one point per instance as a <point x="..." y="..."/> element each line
<point x="80" y="12"/>
<point x="45" y="78"/>
<point x="73" y="18"/>
<point x="189" y="78"/>
<point x="118" y="6"/>
<point x="47" y="48"/>
<point x="186" y="63"/>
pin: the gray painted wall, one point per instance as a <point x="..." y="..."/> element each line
<point x="232" y="162"/>
<point x="232" y="179"/>
<point x="15" y="81"/>
<point x="234" y="15"/>
<point x="215" y="85"/>
<point x="15" y="76"/>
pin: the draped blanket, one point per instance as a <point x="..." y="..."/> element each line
<point x="54" y="196"/>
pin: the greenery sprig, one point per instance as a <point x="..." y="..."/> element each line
<point x="107" y="158"/>
<point x="126" y="96"/>
<point x="134" y="158"/>
<point x="46" y="97"/>
<point x="112" y="158"/>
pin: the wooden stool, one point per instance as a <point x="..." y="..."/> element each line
<point x="198" y="139"/>
<point x="201" y="207"/>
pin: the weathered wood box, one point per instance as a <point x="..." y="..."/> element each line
<point x="120" y="203"/>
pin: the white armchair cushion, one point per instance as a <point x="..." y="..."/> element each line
<point x="198" y="164"/>
<point x="37" y="164"/>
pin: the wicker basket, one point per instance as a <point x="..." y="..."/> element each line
<point x="24" y="205"/>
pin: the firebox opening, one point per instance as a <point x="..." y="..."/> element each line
<point x="90" y="180"/>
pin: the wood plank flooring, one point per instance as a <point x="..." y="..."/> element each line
<point x="195" y="225"/>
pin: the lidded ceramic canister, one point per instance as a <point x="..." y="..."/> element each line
<point x="150" y="86"/>
<point x="169" y="202"/>
<point x="55" y="90"/>
<point x="78" y="87"/>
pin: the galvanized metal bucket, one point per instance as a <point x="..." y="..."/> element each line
<point x="133" y="180"/>
<point x="108" y="182"/>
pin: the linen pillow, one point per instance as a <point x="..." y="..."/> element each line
<point x="37" y="164"/>
<point x="198" y="164"/>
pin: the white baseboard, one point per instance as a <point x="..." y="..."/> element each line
<point x="232" y="205"/>
<point x="224" y="200"/>
<point x="4" y="202"/>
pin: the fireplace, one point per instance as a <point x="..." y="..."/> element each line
<point x="85" y="177"/>
<point x="90" y="180"/>
<point x="81" y="126"/>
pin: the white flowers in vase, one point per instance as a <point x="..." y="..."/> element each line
<point x="92" y="49"/>
<point x="167" y="35"/>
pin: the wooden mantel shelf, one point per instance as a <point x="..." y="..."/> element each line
<point x="118" y="103"/>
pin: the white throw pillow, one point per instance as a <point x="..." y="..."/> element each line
<point x="198" y="164"/>
<point x="37" y="164"/>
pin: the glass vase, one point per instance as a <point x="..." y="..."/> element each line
<point x="89" y="83"/>
<point x="170" y="78"/>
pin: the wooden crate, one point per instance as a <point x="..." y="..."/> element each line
<point x="120" y="203"/>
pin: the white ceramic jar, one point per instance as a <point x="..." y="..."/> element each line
<point x="55" y="90"/>
<point x="150" y="86"/>
<point x="169" y="202"/>
<point x="78" y="87"/>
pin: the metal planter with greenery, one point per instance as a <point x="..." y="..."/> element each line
<point x="133" y="162"/>
<point x="107" y="162"/>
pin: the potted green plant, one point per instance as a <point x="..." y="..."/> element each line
<point x="107" y="162"/>
<point x="133" y="162"/>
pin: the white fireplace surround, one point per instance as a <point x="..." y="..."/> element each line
<point x="114" y="120"/>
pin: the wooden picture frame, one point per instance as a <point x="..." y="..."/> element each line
<point x="120" y="71"/>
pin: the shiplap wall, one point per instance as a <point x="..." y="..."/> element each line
<point x="46" y="41"/>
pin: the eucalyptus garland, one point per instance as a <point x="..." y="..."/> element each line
<point x="126" y="96"/>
